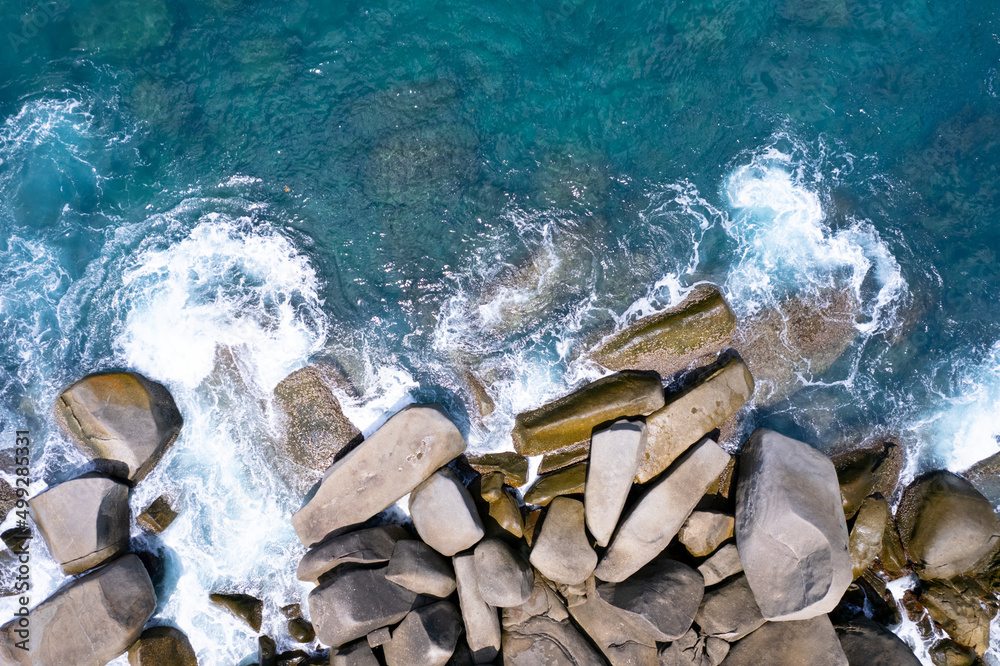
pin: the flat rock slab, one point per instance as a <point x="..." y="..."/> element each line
<point x="513" y="466"/>
<point x="691" y="415"/>
<point x="614" y="457"/>
<point x="444" y="514"/>
<point x="729" y="611"/>
<point x="542" y="641"/>
<point x="866" y="643"/>
<point x="659" y="514"/>
<point x="790" y="527"/>
<point x="569" y="420"/>
<point x="407" y="449"/>
<point x="505" y="579"/>
<point x="721" y="565"/>
<point x="663" y="596"/>
<point x="85" y="521"/>
<point x="421" y="569"/>
<point x="89" y="620"/>
<point x="427" y="635"/>
<point x="567" y="481"/>
<point x="369" y="546"/>
<point x="810" y="642"/>
<point x="162" y="646"/>
<point x="122" y="418"/>
<point x="353" y="603"/>
<point x="482" y="624"/>
<point x="700" y="326"/>
<point x="704" y="531"/>
<point x="562" y="552"/>
<point x="947" y="526"/>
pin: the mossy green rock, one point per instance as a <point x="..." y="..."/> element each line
<point x="570" y="420"/>
<point x="668" y="341"/>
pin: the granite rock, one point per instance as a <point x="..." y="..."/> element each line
<point x="614" y="457"/>
<point x="444" y="514"/>
<point x="421" y="569"/>
<point x="505" y="579"/>
<point x="427" y="635"/>
<point x="562" y="552"/>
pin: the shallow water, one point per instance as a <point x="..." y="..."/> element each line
<point x="213" y="193"/>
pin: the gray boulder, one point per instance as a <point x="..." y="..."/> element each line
<point x="88" y="621"/>
<point x="947" y="526"/>
<point x="790" y="527"/>
<point x="622" y="636"/>
<point x="664" y="596"/>
<point x="427" y="635"/>
<point x="482" y="624"/>
<point x="505" y="579"/>
<point x="721" y="565"/>
<point x="866" y="643"/>
<point x="407" y="449"/>
<point x="85" y="521"/>
<point x="729" y="611"/>
<point x="562" y="552"/>
<point x="704" y="531"/>
<point x="570" y="420"/>
<point x="355" y="654"/>
<point x="122" y="418"/>
<point x="811" y="642"/>
<point x="614" y="457"/>
<point x="444" y="514"/>
<point x="355" y="602"/>
<point x="421" y="569"/>
<point x="369" y="546"/>
<point x="659" y="514"/>
<point x="865" y="542"/>
<point x="692" y="414"/>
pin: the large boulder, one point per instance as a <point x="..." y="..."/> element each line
<point x="866" y="643"/>
<point x="699" y="327"/>
<point x="562" y="552"/>
<point x="120" y="418"/>
<point x="482" y="624"/>
<point x="313" y="428"/>
<point x="659" y="514"/>
<point x="427" y="635"/>
<point x="811" y="642"/>
<point x="374" y="545"/>
<point x="158" y="515"/>
<point x="564" y="458"/>
<point x="947" y="527"/>
<point x="85" y="521"/>
<point x="444" y="514"/>
<point x="614" y="456"/>
<point x="729" y="611"/>
<point x="790" y="527"/>
<point x="663" y="596"/>
<point x="162" y="646"/>
<point x="87" y="622"/>
<point x="421" y="569"/>
<point x="352" y="603"/>
<point x="246" y="607"/>
<point x="407" y="449"/>
<point x="569" y="420"/>
<point x="692" y="414"/>
<point x="505" y="579"/>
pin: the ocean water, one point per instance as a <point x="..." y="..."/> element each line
<point x="213" y="193"/>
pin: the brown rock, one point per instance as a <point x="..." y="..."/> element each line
<point x="491" y="486"/>
<point x="162" y="646"/>
<point x="530" y="523"/>
<point x="301" y="630"/>
<point x="568" y="481"/>
<point x="704" y="531"/>
<point x="444" y="514"/>
<point x="666" y="342"/>
<point x="247" y="608"/>
<point x="692" y="414"/>
<point x="157" y="516"/>
<point x="120" y="417"/>
<point x="557" y="460"/>
<point x="407" y="449"/>
<point x="874" y="467"/>
<point x="569" y="420"/>
<point x="957" y="606"/>
<point x="505" y="512"/>
<point x="865" y="542"/>
<point x="513" y="466"/>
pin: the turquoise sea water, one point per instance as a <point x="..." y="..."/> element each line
<point x="214" y="192"/>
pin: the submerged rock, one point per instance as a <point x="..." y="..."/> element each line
<point x="614" y="457"/>
<point x="314" y="428"/>
<point x="245" y="607"/>
<point x="158" y="515"/>
<point x="813" y="641"/>
<point x="513" y="466"/>
<point x="162" y="646"/>
<point x="957" y="606"/>
<point x="85" y="521"/>
<point x="352" y="603"/>
<point x="562" y="552"/>
<point x="120" y="417"/>
<point x="696" y="329"/>
<point x="89" y="620"/>
<point x="444" y="514"/>
<point x="568" y="481"/>
<point x="790" y="527"/>
<point x="691" y="415"/>
<point x="656" y="518"/>
<point x="419" y="568"/>
<point x="947" y="527"/>
<point x="871" y="468"/>
<point x="569" y="420"/>
<point x="301" y="630"/>
<point x="426" y="636"/>
<point x="407" y="449"/>
<point x="369" y="546"/>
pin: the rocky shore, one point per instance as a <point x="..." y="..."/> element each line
<point x="641" y="541"/>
